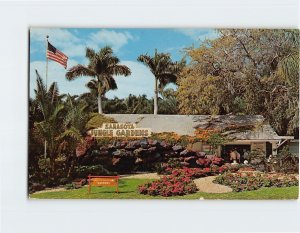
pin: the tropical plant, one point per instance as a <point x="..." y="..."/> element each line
<point x="74" y="125"/>
<point x="49" y="128"/>
<point x="164" y="70"/>
<point x="102" y="66"/>
<point x="168" y="103"/>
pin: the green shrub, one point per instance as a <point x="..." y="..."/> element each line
<point x="97" y="120"/>
<point x="248" y="181"/>
<point x="95" y="170"/>
<point x="69" y="186"/>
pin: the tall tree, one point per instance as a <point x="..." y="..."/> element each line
<point x="245" y="71"/>
<point x="164" y="70"/>
<point x="102" y="67"/>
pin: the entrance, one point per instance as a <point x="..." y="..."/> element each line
<point x="239" y="148"/>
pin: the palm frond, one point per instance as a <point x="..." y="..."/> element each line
<point x="119" y="70"/>
<point x="110" y="83"/>
<point x="72" y="133"/>
<point x="148" y="61"/>
<point x="90" y="53"/>
<point x="79" y="70"/>
<point x="165" y="79"/>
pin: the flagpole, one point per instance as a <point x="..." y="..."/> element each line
<point x="46" y="61"/>
<point x="45" y="142"/>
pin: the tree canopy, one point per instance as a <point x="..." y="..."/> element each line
<point x="244" y="72"/>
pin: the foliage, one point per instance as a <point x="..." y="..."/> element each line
<point x="173" y="138"/>
<point x="285" y="162"/>
<point x="102" y="66"/>
<point x="57" y="125"/>
<point x="96" y="121"/>
<point x="164" y="70"/>
<point x="95" y="170"/>
<point x="49" y="127"/>
<point x="244" y="71"/>
<point x="248" y="181"/>
<point x="70" y="186"/>
<point x="215" y="140"/>
<point x="168" y="104"/>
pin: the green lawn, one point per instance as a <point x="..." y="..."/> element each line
<point x="128" y="190"/>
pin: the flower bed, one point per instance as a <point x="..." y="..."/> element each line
<point x="169" y="186"/>
<point x="178" y="181"/>
<point x="247" y="181"/>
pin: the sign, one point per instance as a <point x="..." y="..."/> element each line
<point x="103" y="181"/>
<point x="120" y="130"/>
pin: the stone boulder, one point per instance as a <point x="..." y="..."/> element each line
<point x="177" y="148"/>
<point x="187" y="153"/>
<point x="132" y="145"/>
<point x="201" y="154"/>
<point x="165" y="145"/>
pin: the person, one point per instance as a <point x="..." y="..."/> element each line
<point x="238" y="155"/>
<point x="233" y="156"/>
<point x="245" y="155"/>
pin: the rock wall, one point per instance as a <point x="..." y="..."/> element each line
<point x="139" y="155"/>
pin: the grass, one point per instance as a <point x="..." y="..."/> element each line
<point x="128" y="190"/>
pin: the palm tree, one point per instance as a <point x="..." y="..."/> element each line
<point x="74" y="125"/>
<point x="168" y="104"/>
<point x="49" y="128"/>
<point x="102" y="66"/>
<point x="164" y="70"/>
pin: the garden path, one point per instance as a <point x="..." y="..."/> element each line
<point x="153" y="175"/>
<point x="206" y="185"/>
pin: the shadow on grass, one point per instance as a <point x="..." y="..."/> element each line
<point x="110" y="192"/>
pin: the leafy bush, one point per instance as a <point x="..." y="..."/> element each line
<point x="84" y="171"/>
<point x="247" y="181"/>
<point x="70" y="186"/>
<point x="287" y="162"/>
<point x="171" y="164"/>
<point x="97" y="120"/>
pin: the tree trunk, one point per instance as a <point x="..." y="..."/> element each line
<point x="100" y="111"/>
<point x="52" y="165"/>
<point x="155" y="97"/>
<point x="99" y="104"/>
<point x="45" y="149"/>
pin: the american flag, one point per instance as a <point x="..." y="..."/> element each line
<point x="55" y="55"/>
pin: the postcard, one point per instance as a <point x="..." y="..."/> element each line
<point x="163" y="113"/>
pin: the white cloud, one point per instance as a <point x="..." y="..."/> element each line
<point x="141" y="81"/>
<point x="62" y="39"/>
<point x="109" y="37"/>
<point x="73" y="46"/>
<point x="57" y="36"/>
<point x="56" y="73"/>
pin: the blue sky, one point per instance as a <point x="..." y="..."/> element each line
<point x="127" y="43"/>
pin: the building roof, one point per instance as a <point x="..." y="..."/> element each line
<point x="239" y="127"/>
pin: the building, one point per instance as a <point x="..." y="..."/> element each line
<point x="249" y="132"/>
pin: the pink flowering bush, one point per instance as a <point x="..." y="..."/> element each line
<point x="170" y="185"/>
<point x="179" y="181"/>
